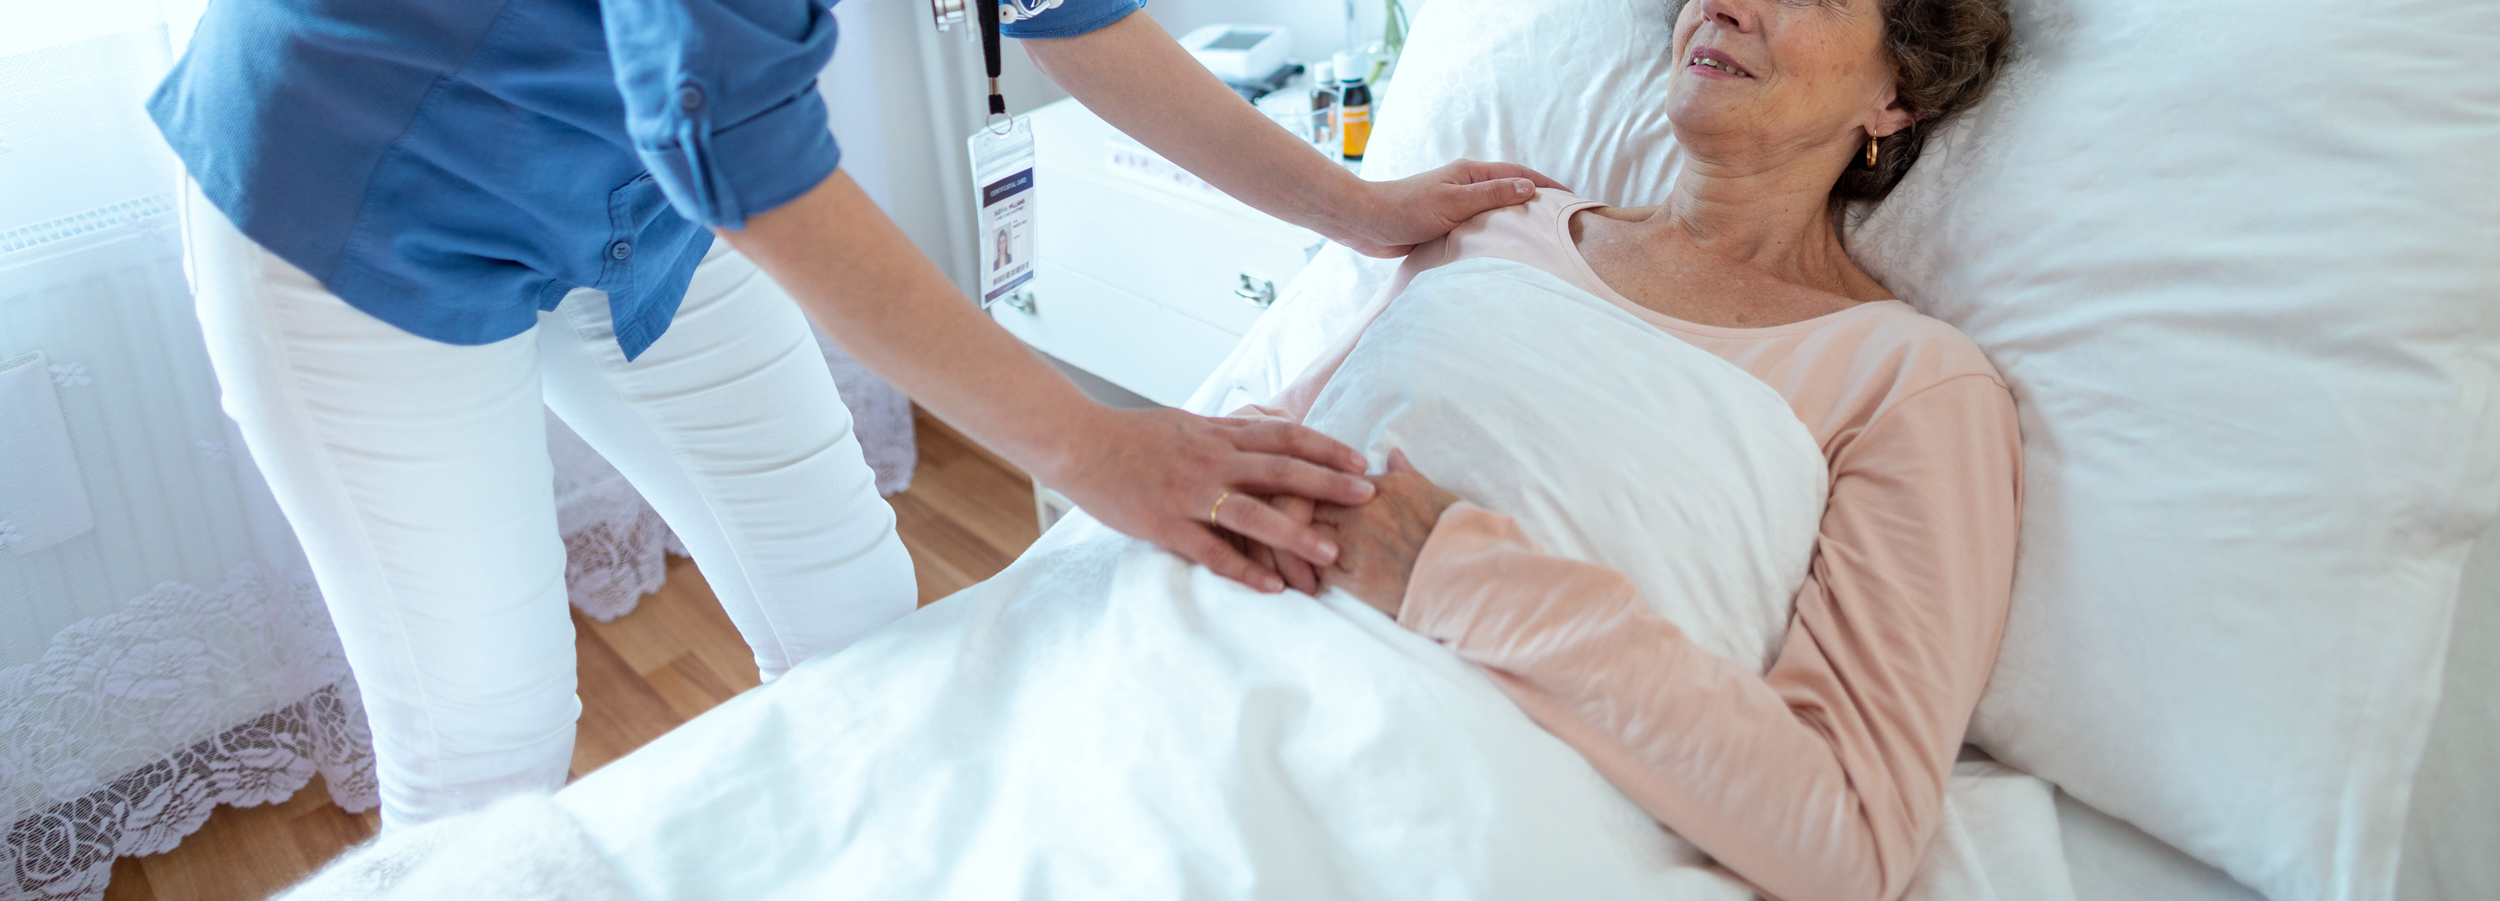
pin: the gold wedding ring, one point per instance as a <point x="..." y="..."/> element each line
<point x="1218" y="508"/>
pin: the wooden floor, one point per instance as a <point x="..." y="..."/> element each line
<point x="967" y="514"/>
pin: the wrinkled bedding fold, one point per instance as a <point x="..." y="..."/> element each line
<point x="1102" y="720"/>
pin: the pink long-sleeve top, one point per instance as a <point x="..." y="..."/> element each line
<point x="1824" y="778"/>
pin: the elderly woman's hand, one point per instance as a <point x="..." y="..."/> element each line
<point x="1298" y="573"/>
<point x="1378" y="542"/>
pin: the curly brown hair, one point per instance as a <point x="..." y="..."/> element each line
<point x="1944" y="54"/>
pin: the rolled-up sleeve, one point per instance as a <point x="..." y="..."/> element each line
<point x="720" y="99"/>
<point x="1067" y="19"/>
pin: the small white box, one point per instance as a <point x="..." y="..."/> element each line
<point x="1242" y="53"/>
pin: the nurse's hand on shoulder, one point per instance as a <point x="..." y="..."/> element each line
<point x="1391" y="217"/>
<point x="1173" y="478"/>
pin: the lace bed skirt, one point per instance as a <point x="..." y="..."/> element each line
<point x="67" y="850"/>
<point x="95" y="756"/>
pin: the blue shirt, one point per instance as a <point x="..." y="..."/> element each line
<point x="455" y="166"/>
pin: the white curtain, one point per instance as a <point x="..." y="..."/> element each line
<point x="162" y="647"/>
<point x="162" y="650"/>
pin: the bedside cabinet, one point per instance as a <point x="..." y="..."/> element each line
<point x="1146" y="276"/>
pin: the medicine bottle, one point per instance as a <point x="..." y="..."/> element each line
<point x="1324" y="106"/>
<point x="1354" y="108"/>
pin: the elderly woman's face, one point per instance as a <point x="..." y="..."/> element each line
<point x="1767" y="75"/>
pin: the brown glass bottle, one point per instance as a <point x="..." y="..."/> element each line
<point x="1354" y="115"/>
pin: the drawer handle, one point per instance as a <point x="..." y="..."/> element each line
<point x="1022" y="301"/>
<point x="1258" y="291"/>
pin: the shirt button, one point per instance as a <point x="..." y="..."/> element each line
<point x="690" y="98"/>
<point x="621" y="249"/>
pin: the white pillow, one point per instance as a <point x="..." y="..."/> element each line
<point x="2241" y="263"/>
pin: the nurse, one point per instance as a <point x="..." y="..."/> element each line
<point x="415" y="222"/>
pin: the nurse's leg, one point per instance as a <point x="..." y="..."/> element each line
<point x="415" y="474"/>
<point x="730" y="426"/>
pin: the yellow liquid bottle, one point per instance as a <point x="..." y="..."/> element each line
<point x="1354" y="116"/>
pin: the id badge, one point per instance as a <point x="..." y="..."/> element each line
<point x="1002" y="173"/>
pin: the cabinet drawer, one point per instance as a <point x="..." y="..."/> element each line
<point x="1164" y="248"/>
<point x="1135" y="343"/>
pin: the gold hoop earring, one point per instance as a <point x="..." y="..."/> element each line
<point x="1870" y="151"/>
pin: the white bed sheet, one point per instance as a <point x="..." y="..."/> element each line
<point x="2452" y="833"/>
<point x="1102" y="720"/>
<point x="2112" y="861"/>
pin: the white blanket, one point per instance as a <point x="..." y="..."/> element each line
<point x="1104" y="721"/>
<point x="1606" y="439"/>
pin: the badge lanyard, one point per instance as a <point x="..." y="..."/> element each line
<point x="1002" y="173"/>
<point x="1002" y="165"/>
<point x="949" y="13"/>
<point x="989" y="55"/>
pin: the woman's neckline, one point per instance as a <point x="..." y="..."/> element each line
<point x="1580" y="262"/>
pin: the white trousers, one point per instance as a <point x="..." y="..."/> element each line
<point x="416" y="475"/>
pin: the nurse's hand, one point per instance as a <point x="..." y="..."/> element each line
<point x="1299" y="574"/>
<point x="1174" y="478"/>
<point x="1380" y="541"/>
<point x="1389" y="218"/>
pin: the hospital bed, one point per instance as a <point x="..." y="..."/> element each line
<point x="2132" y="219"/>
<point x="2235" y="259"/>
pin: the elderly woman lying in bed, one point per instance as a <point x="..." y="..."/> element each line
<point x="1662" y="421"/>
<point x="1823" y="778"/>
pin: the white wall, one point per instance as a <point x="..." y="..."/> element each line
<point x="1318" y="26"/>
